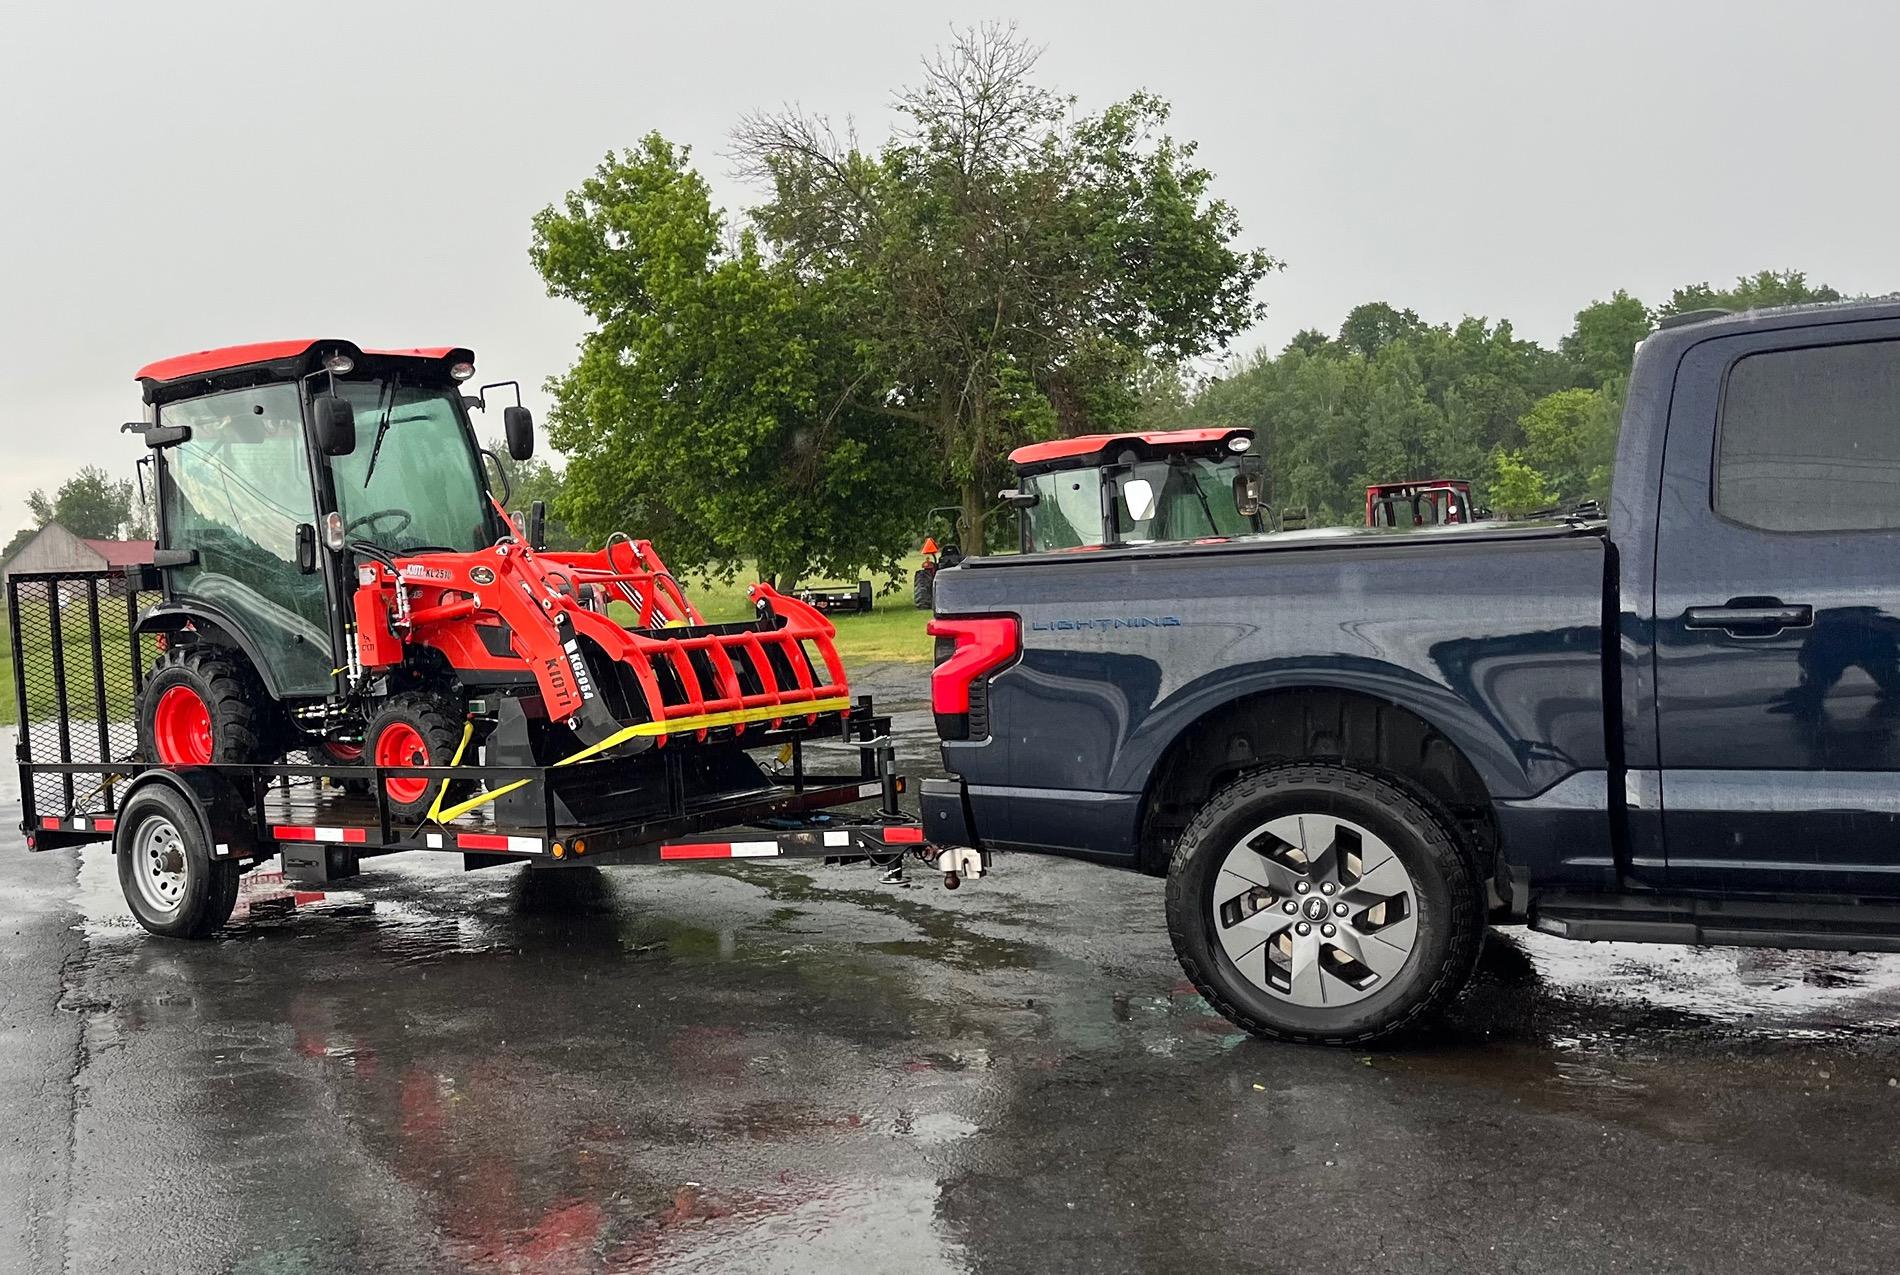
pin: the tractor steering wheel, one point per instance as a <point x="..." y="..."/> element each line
<point x="371" y="519"/>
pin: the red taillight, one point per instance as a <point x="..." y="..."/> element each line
<point x="982" y="646"/>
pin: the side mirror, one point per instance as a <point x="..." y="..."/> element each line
<point x="1250" y="485"/>
<point x="1138" y="494"/>
<point x="517" y="425"/>
<point x="307" y="548"/>
<point x="336" y="425"/>
<point x="538" y="525"/>
<point x="1016" y="498"/>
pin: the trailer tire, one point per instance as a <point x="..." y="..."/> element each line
<point x="171" y="881"/>
<point x="205" y="705"/>
<point x="1366" y="909"/>
<point x="417" y="729"/>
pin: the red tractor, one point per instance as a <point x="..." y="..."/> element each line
<point x="337" y="578"/>
<point x="1428" y="502"/>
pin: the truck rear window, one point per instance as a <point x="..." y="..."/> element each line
<point x="1810" y="439"/>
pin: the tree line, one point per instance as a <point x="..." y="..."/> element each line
<point x="1390" y="397"/>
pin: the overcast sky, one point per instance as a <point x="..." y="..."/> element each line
<point x="182" y="175"/>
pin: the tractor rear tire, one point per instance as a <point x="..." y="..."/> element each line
<point x="418" y="729"/>
<point x="205" y="705"/>
<point x="923" y="590"/>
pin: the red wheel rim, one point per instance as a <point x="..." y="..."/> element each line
<point x="181" y="728"/>
<point x="400" y="744"/>
<point x="344" y="751"/>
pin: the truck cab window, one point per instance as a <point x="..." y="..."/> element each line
<point x="1810" y="439"/>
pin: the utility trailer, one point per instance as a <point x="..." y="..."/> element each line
<point x="79" y="664"/>
<point x="344" y="645"/>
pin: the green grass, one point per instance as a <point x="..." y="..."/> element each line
<point x="893" y="630"/>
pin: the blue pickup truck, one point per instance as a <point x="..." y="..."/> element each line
<point x="1350" y="751"/>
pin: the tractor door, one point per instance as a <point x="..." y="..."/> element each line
<point x="234" y="494"/>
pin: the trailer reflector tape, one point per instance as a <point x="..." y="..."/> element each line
<point x="434" y="840"/>
<point x="903" y="836"/>
<point x="52" y="823"/>
<point x="305" y="832"/>
<point x="494" y="841"/>
<point x="837" y="838"/>
<point x="870" y="790"/>
<point x="722" y="850"/>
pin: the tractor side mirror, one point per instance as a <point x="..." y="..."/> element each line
<point x="538" y="525"/>
<point x="517" y="424"/>
<point x="307" y="548"/>
<point x="1250" y="485"/>
<point x="1016" y="498"/>
<point x="336" y="425"/>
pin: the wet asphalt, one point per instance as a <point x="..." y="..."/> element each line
<point x="752" y="1067"/>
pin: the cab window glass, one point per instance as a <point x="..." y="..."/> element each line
<point x="1810" y="439"/>
<point x="234" y="494"/>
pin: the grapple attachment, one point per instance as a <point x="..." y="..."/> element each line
<point x="661" y="674"/>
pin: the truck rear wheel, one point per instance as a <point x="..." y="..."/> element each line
<point x="416" y="730"/>
<point x="203" y="705"/>
<point x="1323" y="904"/>
<point x="171" y="882"/>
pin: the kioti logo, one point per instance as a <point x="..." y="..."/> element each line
<point x="481" y="575"/>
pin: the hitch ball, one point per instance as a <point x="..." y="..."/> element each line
<point x="951" y="880"/>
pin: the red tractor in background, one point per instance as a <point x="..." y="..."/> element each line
<point x="338" y="578"/>
<point x="1428" y="502"/>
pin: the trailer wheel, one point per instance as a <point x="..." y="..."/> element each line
<point x="416" y="730"/>
<point x="204" y="705"/>
<point x="170" y="880"/>
<point x="1323" y="904"/>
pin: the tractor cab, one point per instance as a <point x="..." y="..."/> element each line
<point x="1431" y="502"/>
<point x="258" y="512"/>
<point x="1115" y="489"/>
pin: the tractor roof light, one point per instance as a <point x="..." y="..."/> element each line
<point x="1239" y="443"/>
<point x="339" y="365"/>
<point x="461" y="372"/>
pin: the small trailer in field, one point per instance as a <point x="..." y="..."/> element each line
<point x="345" y="648"/>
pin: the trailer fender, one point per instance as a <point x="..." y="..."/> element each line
<point x="223" y="815"/>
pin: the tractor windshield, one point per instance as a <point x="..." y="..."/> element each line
<point x="414" y="481"/>
<point x="1182" y="498"/>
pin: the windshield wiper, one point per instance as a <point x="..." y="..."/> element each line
<point x="389" y="405"/>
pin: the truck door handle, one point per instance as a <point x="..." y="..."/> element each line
<point x="1749" y="617"/>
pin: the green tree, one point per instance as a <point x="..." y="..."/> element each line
<point x="1604" y="338"/>
<point x="702" y="411"/>
<point x="1371" y="327"/>
<point x="91" y="504"/>
<point x="1006" y="269"/>
<point x="1516" y="486"/>
<point x="1751" y="292"/>
<point x="1570" y="438"/>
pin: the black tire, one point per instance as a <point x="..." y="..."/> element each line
<point x="431" y="727"/>
<point x="923" y="589"/>
<point x="241" y="716"/>
<point x="327" y="751"/>
<point x="1444" y="895"/>
<point x="172" y="884"/>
